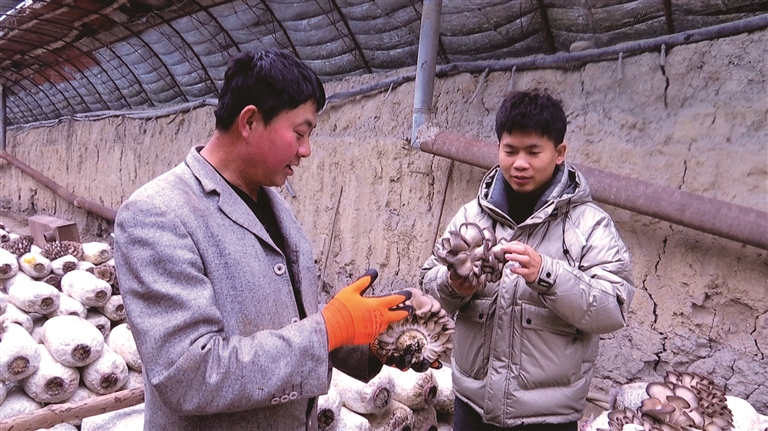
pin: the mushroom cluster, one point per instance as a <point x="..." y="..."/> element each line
<point x="473" y="253"/>
<point x="683" y="401"/>
<point x="417" y="341"/>
<point x="63" y="335"/>
<point x="50" y="263"/>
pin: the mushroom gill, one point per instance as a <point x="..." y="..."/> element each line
<point x="420" y="339"/>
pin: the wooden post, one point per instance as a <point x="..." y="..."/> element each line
<point x="88" y="205"/>
<point x="59" y="413"/>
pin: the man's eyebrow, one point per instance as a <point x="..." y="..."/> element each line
<point x="308" y="123"/>
<point x="532" y="145"/>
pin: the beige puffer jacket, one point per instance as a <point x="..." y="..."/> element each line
<point x="524" y="353"/>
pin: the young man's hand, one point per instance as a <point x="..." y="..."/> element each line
<point x="528" y="259"/>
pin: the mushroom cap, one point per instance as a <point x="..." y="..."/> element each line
<point x="656" y="408"/>
<point x="678" y="402"/>
<point x="472" y="233"/>
<point x="659" y="390"/>
<point x="688" y="394"/>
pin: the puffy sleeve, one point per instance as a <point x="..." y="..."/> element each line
<point x="595" y="296"/>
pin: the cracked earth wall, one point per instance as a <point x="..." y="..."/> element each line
<point x="698" y="123"/>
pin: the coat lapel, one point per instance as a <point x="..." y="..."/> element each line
<point x="229" y="202"/>
<point x="298" y="248"/>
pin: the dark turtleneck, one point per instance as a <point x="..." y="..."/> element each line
<point x="522" y="205"/>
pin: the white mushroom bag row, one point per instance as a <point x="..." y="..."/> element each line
<point x="394" y="400"/>
<point x="420" y="399"/>
<point x="63" y="336"/>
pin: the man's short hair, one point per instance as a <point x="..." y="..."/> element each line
<point x="534" y="111"/>
<point x="271" y="80"/>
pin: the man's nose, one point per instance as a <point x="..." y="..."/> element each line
<point x="305" y="149"/>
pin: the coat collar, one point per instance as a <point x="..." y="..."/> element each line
<point x="567" y="188"/>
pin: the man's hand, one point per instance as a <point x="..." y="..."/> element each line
<point x="351" y="318"/>
<point x="528" y="259"/>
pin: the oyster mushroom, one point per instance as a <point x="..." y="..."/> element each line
<point x="711" y="403"/>
<point x="56" y="249"/>
<point x="683" y="401"/>
<point x="473" y="253"/>
<point x="20" y="245"/>
<point x="418" y="340"/>
<point x="617" y="419"/>
<point x="657" y="409"/>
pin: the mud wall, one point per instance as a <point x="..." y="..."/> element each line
<point x="698" y="123"/>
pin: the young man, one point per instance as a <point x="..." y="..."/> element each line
<point x="218" y="278"/>
<point x="525" y="346"/>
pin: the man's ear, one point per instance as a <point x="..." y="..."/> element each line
<point x="248" y="117"/>
<point x="561" y="150"/>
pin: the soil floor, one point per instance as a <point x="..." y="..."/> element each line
<point x="14" y="223"/>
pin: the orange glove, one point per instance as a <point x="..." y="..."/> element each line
<point x="351" y="318"/>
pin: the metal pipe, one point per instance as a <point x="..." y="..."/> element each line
<point x="96" y="208"/>
<point x="3" y="121"/>
<point x="723" y="219"/>
<point x="429" y="38"/>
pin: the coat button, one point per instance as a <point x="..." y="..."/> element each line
<point x="293" y="395"/>
<point x="295" y="320"/>
<point x="279" y="268"/>
<point x="284" y="399"/>
<point x="275" y="400"/>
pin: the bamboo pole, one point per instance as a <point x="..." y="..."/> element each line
<point x="59" y="413"/>
<point x="93" y="207"/>
<point x="3" y="121"/>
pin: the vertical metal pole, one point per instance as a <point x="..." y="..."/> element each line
<point x="2" y="118"/>
<point x="429" y="37"/>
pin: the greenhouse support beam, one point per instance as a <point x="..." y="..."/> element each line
<point x="3" y="120"/>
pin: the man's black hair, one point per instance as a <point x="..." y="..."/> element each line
<point x="273" y="81"/>
<point x="533" y="111"/>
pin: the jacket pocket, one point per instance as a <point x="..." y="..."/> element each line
<point x="551" y="350"/>
<point x="472" y="339"/>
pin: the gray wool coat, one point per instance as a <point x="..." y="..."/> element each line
<point x="210" y="303"/>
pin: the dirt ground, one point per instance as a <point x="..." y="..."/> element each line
<point x="14" y="223"/>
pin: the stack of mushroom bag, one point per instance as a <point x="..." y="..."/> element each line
<point x="63" y="335"/>
<point x="397" y="400"/>
<point x="682" y="401"/>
